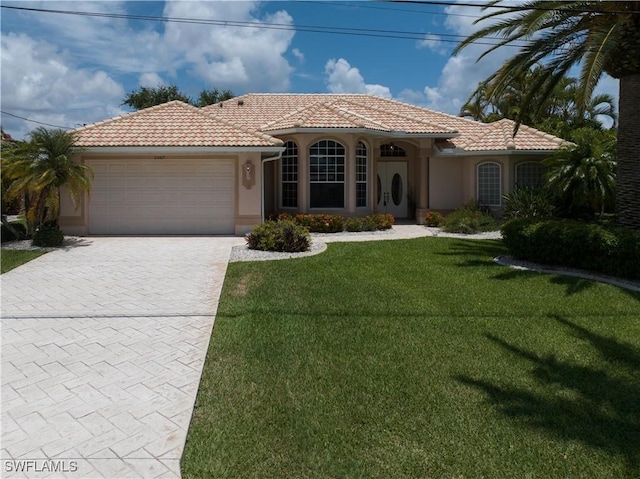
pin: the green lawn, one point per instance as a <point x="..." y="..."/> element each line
<point x="417" y="359"/>
<point x="10" y="258"/>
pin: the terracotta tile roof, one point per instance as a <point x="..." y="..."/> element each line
<point x="274" y="111"/>
<point x="170" y="124"/>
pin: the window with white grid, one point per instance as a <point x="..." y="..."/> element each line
<point x="489" y="184"/>
<point x="361" y="175"/>
<point x="530" y="174"/>
<point x="326" y="174"/>
<point x="290" y="175"/>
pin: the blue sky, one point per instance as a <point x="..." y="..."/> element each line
<point x="67" y="70"/>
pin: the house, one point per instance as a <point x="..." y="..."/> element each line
<point x="178" y="169"/>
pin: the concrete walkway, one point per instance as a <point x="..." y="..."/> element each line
<point x="103" y="345"/>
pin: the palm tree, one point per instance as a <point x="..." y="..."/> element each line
<point x="38" y="169"/>
<point x="583" y="174"/>
<point x="601" y="37"/>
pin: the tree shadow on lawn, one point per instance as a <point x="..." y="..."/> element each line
<point x="583" y="403"/>
<point x="475" y="252"/>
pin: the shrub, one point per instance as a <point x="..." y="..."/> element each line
<point x="283" y="235"/>
<point x="320" y="223"/>
<point x="528" y="202"/>
<point x="433" y="218"/>
<point x="576" y="244"/>
<point x="7" y="235"/>
<point x="360" y="224"/>
<point x="48" y="235"/>
<point x="469" y="219"/>
<point x="383" y="221"/>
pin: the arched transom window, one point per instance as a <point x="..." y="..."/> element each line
<point x="389" y="150"/>
<point x="290" y="175"/>
<point x="326" y="174"/>
<point x="361" y="175"/>
<point x="489" y="179"/>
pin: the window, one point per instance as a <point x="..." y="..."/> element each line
<point x="290" y="175"/>
<point x="530" y="173"/>
<point x="326" y="174"/>
<point x="392" y="151"/>
<point x="489" y="184"/>
<point x="361" y="175"/>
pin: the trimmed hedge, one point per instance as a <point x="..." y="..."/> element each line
<point x="575" y="244"/>
<point x="283" y="235"/>
<point x="325" y="223"/>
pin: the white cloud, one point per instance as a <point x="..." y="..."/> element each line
<point x="226" y="56"/>
<point x="462" y="73"/>
<point x="432" y="42"/>
<point x="298" y="54"/>
<point x="343" y="78"/>
<point x="40" y="83"/>
<point x="150" y="80"/>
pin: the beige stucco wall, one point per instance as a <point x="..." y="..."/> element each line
<point x="446" y="189"/>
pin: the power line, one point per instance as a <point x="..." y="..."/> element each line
<point x="359" y="4"/>
<point x="365" y="32"/>
<point x="34" y="121"/>
<point x="515" y="8"/>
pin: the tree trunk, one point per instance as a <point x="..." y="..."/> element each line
<point x="16" y="234"/>
<point x="628" y="170"/>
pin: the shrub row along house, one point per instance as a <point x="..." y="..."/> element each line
<point x="221" y="169"/>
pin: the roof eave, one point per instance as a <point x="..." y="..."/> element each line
<point x="367" y="131"/>
<point x="181" y="149"/>
<point x="452" y="152"/>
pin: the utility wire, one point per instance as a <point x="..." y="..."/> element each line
<point x="366" y="32"/>
<point x="34" y="121"/>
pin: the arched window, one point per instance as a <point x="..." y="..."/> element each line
<point x="290" y="175"/>
<point x="530" y="173"/>
<point x="389" y="150"/>
<point x="361" y="175"/>
<point x="489" y="180"/>
<point x="326" y="174"/>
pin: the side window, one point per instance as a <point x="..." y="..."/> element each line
<point x="290" y="175"/>
<point x="489" y="181"/>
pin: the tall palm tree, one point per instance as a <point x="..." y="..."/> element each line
<point x="601" y="37"/>
<point x="39" y="167"/>
<point x="583" y="174"/>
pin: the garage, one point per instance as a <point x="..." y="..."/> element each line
<point x="158" y="196"/>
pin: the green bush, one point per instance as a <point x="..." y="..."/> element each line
<point x="383" y="221"/>
<point x="7" y="235"/>
<point x="283" y="235"/>
<point x="575" y="244"/>
<point x="528" y="202"/>
<point x="433" y="218"/>
<point x="320" y="223"/>
<point x="469" y="219"/>
<point x="48" y="235"/>
<point x="366" y="223"/>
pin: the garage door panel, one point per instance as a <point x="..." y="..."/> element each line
<point x="162" y="197"/>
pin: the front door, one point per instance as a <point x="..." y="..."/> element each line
<point x="392" y="188"/>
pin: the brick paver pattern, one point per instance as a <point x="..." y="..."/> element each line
<point x="103" y="345"/>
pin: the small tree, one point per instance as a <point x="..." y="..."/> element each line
<point x="583" y="175"/>
<point x="38" y="169"/>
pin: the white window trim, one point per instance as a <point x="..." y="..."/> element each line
<point x="499" y="183"/>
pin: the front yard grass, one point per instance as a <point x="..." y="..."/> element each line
<point x="417" y="359"/>
<point x="11" y="258"/>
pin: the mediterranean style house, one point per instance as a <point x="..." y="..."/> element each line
<point x="222" y="169"/>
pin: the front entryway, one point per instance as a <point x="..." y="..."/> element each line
<point x="392" y="188"/>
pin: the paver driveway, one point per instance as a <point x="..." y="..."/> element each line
<point x="103" y="345"/>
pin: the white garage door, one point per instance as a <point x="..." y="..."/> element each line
<point x="176" y="197"/>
